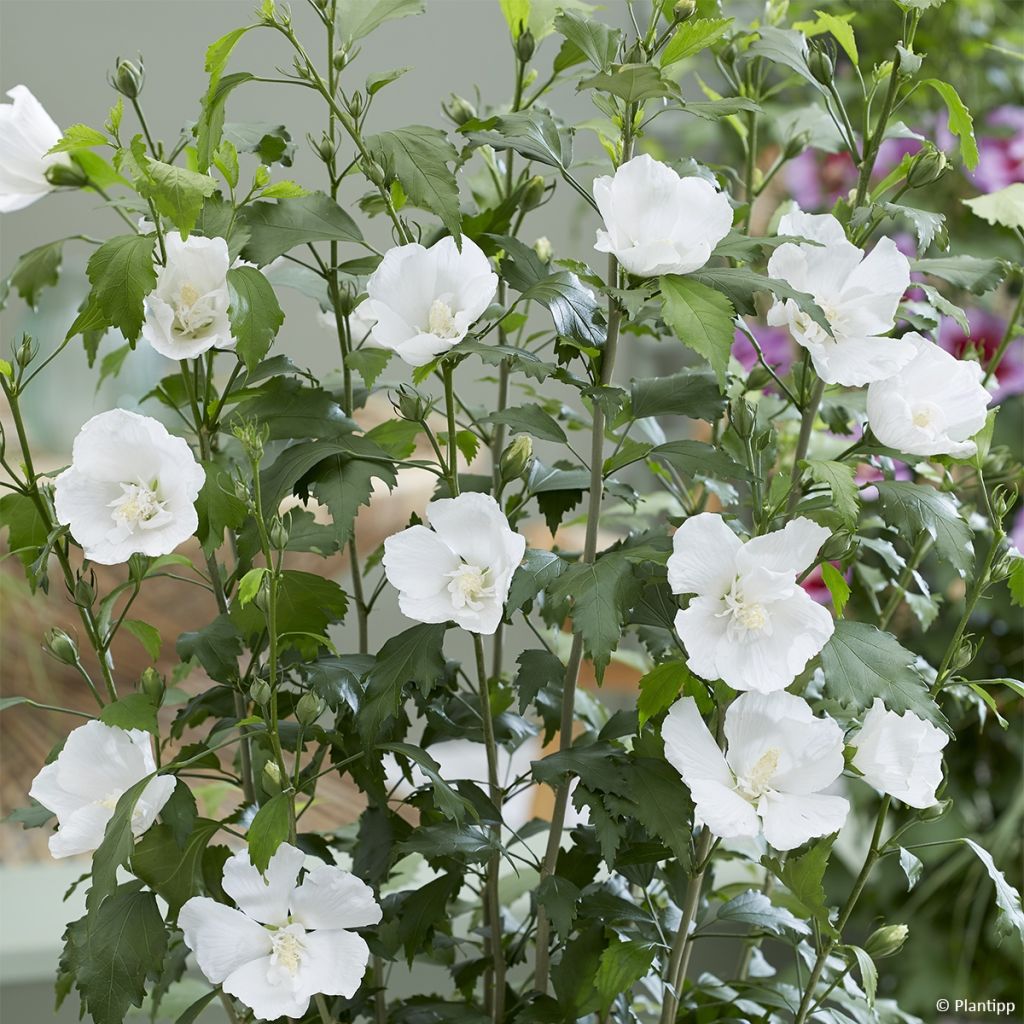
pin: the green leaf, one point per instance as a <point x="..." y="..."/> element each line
<point x="210" y="125"/>
<point x="193" y="1012"/>
<point x="358" y="18"/>
<point x="175" y="874"/>
<point x="418" y="157"/>
<point x="216" y="647"/>
<point x="1007" y="897"/>
<point x="414" y="656"/>
<point x="284" y="190"/>
<point x="868" y="973"/>
<point x="757" y="910"/>
<point x="632" y="83"/>
<point x="421" y="910"/>
<point x="1004" y="207"/>
<point x="786" y="47"/>
<point x="254" y="312"/>
<point x="79" y="136"/>
<point x="659" y="689"/>
<point x="113" y="949"/>
<point x="26" y="530"/>
<point x="693" y="36"/>
<point x="249" y="585"/>
<point x="529" y="419"/>
<point x="960" y="122"/>
<point x="841" y="481"/>
<point x="914" y="509"/>
<point x="276" y="228"/>
<point x="558" y="897"/>
<point x="147" y="635"/>
<point x="269" y="829"/>
<point x="972" y="273"/>
<point x="838" y="588"/>
<point x="697" y="458"/>
<point x="219" y="508"/>
<point x="1015" y="580"/>
<point x="912" y="867"/>
<point x="596" y="41"/>
<point x="376" y="82"/>
<point x="622" y="965"/>
<point x="860" y="662"/>
<point x="693" y="393"/>
<point x="701" y="318"/>
<point x="448" y="802"/>
<point x="344" y="485"/>
<point x="288" y="408"/>
<point x="121" y="272"/>
<point x="573" y="307"/>
<point x="532" y="134"/>
<point x="178" y="193"/>
<point x="802" y="876"/>
<point x="37" y="269"/>
<point x="836" y="24"/>
<point x="538" y="569"/>
<point x="117" y="845"/>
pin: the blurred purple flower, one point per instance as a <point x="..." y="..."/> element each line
<point x="775" y="343"/>
<point x="1001" y="155"/>
<point x="1017" y="532"/>
<point x="987" y="331"/>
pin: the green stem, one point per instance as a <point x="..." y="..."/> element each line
<point x="844" y="915"/>
<point x="453" y="448"/>
<point x="871" y="148"/>
<point x="921" y="548"/>
<point x="806" y="426"/>
<point x="321" y="1007"/>
<point x="495" y="985"/>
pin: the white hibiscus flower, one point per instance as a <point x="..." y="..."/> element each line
<point x="778" y="759"/>
<point x="27" y="133"/>
<point x="459" y="571"/>
<point x="98" y="764"/>
<point x="422" y="302"/>
<point x="187" y="312"/>
<point x="750" y="624"/>
<point x="900" y="754"/>
<point x="656" y="222"/>
<point x="286" y="942"/>
<point x="932" y="406"/>
<point x="131" y="488"/>
<point x="858" y="294"/>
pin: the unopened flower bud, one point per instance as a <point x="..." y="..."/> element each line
<point x="310" y="708"/>
<point x="128" y="78"/>
<point x="516" y="458"/>
<point x="61" y="646"/>
<point x="270" y="778"/>
<point x="928" y="166"/>
<point x="260" y="692"/>
<point x="153" y="685"/>
<point x="796" y="145"/>
<point x="684" y="9"/>
<point x="355" y="104"/>
<point x="934" y="812"/>
<point x="458" y="109"/>
<point x="525" y="45"/>
<point x="278" y="535"/>
<point x="323" y="148"/>
<point x="66" y="175"/>
<point x="835" y="548"/>
<point x="85" y="591"/>
<point x="964" y="655"/>
<point x="374" y="172"/>
<point x="886" y="940"/>
<point x="340" y="59"/>
<point x="410" y="404"/>
<point x="543" y="248"/>
<point x="741" y="415"/>
<point x="26" y="351"/>
<point x="533" y="193"/>
<point x="821" y="66"/>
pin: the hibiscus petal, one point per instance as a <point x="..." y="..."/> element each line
<point x="702" y="630"/>
<point x="878" y="283"/>
<point x="222" y="939"/>
<point x="703" y="559"/>
<point x="855" y="362"/>
<point x="269" y="992"/>
<point x="264" y="898"/>
<point x="332" y="898"/>
<point x="724" y="811"/>
<point x="690" y="748"/>
<point x="334" y="963"/>
<point x="791" y="549"/>
<point x="474" y="527"/>
<point x="81" y="831"/>
<point x="789" y="820"/>
<point x="416" y="562"/>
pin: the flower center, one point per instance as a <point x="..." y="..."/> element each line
<point x="192" y="312"/>
<point x="288" y="950"/>
<point x="441" y="320"/>
<point x="927" y="416"/>
<point x="747" y="619"/>
<point x="758" y="781"/>
<point x="469" y="586"/>
<point x="139" y="507"/>
<point x="811" y="330"/>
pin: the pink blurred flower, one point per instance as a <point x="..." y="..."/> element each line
<point x="814" y="584"/>
<point x="775" y="343"/>
<point x="987" y="331"/>
<point x="1001" y="155"/>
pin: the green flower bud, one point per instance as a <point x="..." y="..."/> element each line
<point x="278" y="535"/>
<point x="153" y="685"/>
<point x="543" y="248"/>
<point x="525" y="45"/>
<point x="796" y="145"/>
<point x="742" y="417"/>
<point x="928" y="166"/>
<point x="684" y="9"/>
<point x="458" y="109"/>
<point x="309" y="708"/>
<point x="836" y="547"/>
<point x="66" y="175"/>
<point x="374" y="172"/>
<point x="324" y="148"/>
<point x="85" y="591"/>
<point x="821" y="66"/>
<point x="260" y="692"/>
<point x="533" y="193"/>
<point x="26" y="351"/>
<point x="61" y="646"/>
<point x="128" y="78"/>
<point x="935" y="812"/>
<point x="339" y="60"/>
<point x="886" y="940"/>
<point x="355" y="103"/>
<point x="270" y="778"/>
<point x="411" y="405"/>
<point x="516" y="458"/>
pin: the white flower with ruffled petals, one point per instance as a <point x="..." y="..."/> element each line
<point x="187" y="312"/>
<point x="286" y="942"/>
<point x="932" y="406"/>
<point x="778" y="759"/>
<point x="98" y="765"/>
<point x="900" y="755"/>
<point x="131" y="488"/>
<point x="422" y="302"/>
<point x="656" y="222"/>
<point x="750" y="623"/>
<point x="460" y="570"/>
<point x="27" y="133"/>
<point x="858" y="294"/>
